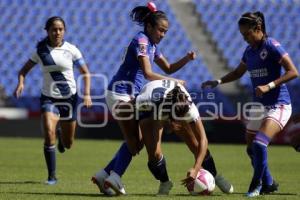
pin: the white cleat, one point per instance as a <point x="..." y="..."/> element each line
<point x="98" y="179"/>
<point x="114" y="182"/>
<point x="223" y="184"/>
<point x="164" y="188"/>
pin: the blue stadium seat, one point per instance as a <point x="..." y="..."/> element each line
<point x="100" y="30"/>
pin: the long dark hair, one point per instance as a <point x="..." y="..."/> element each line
<point x="48" y="24"/>
<point x="144" y="15"/>
<point x="177" y="98"/>
<point x="253" y="20"/>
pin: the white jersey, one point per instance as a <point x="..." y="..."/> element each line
<point x="159" y="89"/>
<point x="57" y="68"/>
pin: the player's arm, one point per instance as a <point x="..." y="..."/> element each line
<point x="199" y="132"/>
<point x="231" y="76"/>
<point x="87" y="83"/>
<point x="149" y="74"/>
<point x="21" y="77"/>
<point x="168" y="68"/>
<point x="290" y="73"/>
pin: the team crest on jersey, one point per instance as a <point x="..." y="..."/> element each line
<point x="142" y="48"/>
<point x="263" y="54"/>
<point x="67" y="54"/>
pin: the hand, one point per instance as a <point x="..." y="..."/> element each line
<point x="190" y="177"/>
<point x="182" y="82"/>
<point x="209" y="84"/>
<point x="87" y="101"/>
<point x="18" y="91"/>
<point x="191" y="55"/>
<point x="261" y="90"/>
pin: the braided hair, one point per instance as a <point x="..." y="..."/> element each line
<point x="253" y="20"/>
<point x="177" y="98"/>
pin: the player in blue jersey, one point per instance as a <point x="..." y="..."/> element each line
<point x="135" y="70"/>
<point x="58" y="59"/>
<point x="270" y="67"/>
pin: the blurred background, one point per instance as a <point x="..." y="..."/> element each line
<point x="102" y="29"/>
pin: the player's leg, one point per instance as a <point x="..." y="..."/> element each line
<point x="129" y="127"/>
<point x="123" y="113"/>
<point x="184" y="131"/>
<point x="275" y="119"/>
<point x="68" y="133"/>
<point x="267" y="131"/>
<point x="152" y="132"/>
<point x="49" y="121"/>
<point x="66" y="128"/>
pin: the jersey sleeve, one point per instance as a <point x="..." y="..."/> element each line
<point x="35" y="57"/>
<point x="77" y="58"/>
<point x="244" y="57"/>
<point x="141" y="46"/>
<point x="276" y="50"/>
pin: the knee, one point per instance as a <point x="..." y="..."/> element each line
<point x="134" y="146"/>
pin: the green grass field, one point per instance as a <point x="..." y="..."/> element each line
<point x="22" y="171"/>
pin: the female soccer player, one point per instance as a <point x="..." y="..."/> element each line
<point x="165" y="101"/>
<point x="59" y="98"/>
<point x="264" y="59"/>
<point x="136" y="68"/>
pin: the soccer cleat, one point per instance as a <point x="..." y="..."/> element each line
<point x="254" y="189"/>
<point x="223" y="184"/>
<point x="51" y="181"/>
<point x="114" y="182"/>
<point x="98" y="179"/>
<point x="60" y="145"/>
<point x="267" y="189"/>
<point x="164" y="188"/>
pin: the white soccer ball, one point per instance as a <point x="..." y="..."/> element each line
<point x="204" y="184"/>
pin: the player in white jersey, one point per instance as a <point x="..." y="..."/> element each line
<point x="59" y="98"/>
<point x="166" y="101"/>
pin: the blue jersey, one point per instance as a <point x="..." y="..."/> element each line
<point x="263" y="67"/>
<point x="130" y="78"/>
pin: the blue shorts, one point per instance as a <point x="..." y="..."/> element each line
<point x="66" y="109"/>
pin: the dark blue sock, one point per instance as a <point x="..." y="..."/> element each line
<point x="111" y="164"/>
<point x="260" y="153"/>
<point x="267" y="177"/>
<point x="159" y="169"/>
<point x="122" y="159"/>
<point x="50" y="157"/>
<point x="209" y="164"/>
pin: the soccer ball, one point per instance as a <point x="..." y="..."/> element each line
<point x="204" y="184"/>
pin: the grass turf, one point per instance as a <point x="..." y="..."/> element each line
<point x="23" y="171"/>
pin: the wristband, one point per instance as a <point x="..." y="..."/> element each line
<point x="271" y="85"/>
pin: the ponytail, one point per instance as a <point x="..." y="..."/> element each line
<point x="149" y="14"/>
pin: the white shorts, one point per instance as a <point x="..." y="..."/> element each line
<point x="278" y="113"/>
<point x="113" y="98"/>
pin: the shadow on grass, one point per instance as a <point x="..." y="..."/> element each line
<point x="272" y="194"/>
<point x="59" y="194"/>
<point x="19" y="182"/>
